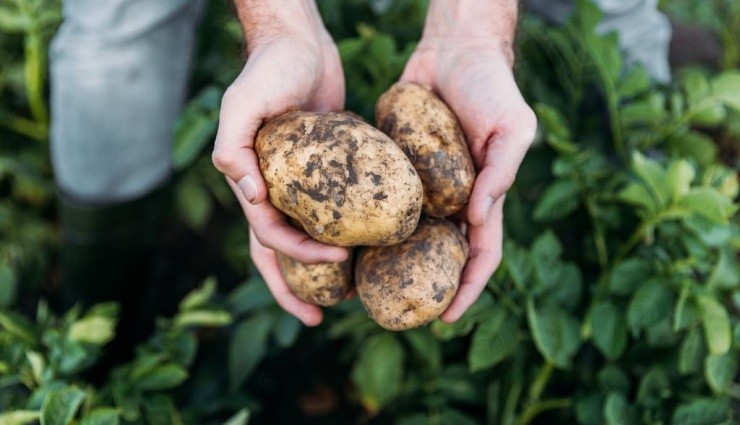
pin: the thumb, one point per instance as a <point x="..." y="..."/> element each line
<point x="233" y="152"/>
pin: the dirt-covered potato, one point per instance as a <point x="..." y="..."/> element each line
<point x="430" y="135"/>
<point x="324" y="284"/>
<point x="410" y="284"/>
<point x="343" y="180"/>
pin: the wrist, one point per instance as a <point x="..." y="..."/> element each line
<point x="462" y="24"/>
<point x="264" y="21"/>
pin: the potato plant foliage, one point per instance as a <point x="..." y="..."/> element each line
<point x="617" y="302"/>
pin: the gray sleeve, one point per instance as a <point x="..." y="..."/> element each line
<point x="119" y="71"/>
<point x="644" y="32"/>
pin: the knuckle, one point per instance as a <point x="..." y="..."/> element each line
<point x="222" y="160"/>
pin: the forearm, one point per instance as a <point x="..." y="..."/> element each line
<point x="266" y="20"/>
<point x="473" y="21"/>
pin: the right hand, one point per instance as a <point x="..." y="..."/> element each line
<point x="283" y="73"/>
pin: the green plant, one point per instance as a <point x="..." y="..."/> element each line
<point x="617" y="298"/>
<point x="617" y="302"/>
<point x="42" y="365"/>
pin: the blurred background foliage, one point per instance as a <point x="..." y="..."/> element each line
<point x="618" y="300"/>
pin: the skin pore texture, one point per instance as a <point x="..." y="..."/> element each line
<point x="465" y="55"/>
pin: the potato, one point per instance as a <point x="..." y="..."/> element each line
<point x="343" y="180"/>
<point x="410" y="284"/>
<point x="324" y="284"/>
<point x="430" y="135"/>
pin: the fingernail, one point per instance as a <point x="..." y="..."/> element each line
<point x="487" y="206"/>
<point x="248" y="188"/>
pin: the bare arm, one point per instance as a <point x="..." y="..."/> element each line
<point x="293" y="63"/>
<point x="466" y="56"/>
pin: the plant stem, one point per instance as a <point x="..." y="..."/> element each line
<point x="25" y="127"/>
<point x="34" y="73"/>
<point x="599" y="240"/>
<point x="540" y="382"/>
<point x="533" y="410"/>
<point x="512" y="399"/>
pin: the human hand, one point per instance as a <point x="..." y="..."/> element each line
<point x="472" y="73"/>
<point x="293" y="64"/>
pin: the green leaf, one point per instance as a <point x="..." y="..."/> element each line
<point x="97" y="330"/>
<point x="496" y="338"/>
<point x="559" y="200"/>
<point x="709" y="203"/>
<point x="617" y="411"/>
<point x="194" y="204"/>
<point x="7" y="285"/>
<point x="546" y="249"/>
<point x="691" y="354"/>
<point x="200" y="296"/>
<point x="716" y="323"/>
<point x="696" y="87"/>
<point x="425" y="348"/>
<point x="727" y="87"/>
<point x="609" y="330"/>
<point x="637" y="81"/>
<point x="719" y="371"/>
<point x="160" y="410"/>
<point x="726" y="271"/>
<point x="703" y="411"/>
<point x="60" y="406"/>
<point x="162" y="377"/>
<point x="101" y="416"/>
<point x="447" y="331"/>
<point x="629" y="275"/>
<point x="650" y="110"/>
<point x="614" y="380"/>
<point x="38" y="365"/>
<point x="654" y="386"/>
<point x="240" y="418"/>
<point x="687" y="311"/>
<point x="286" y="330"/>
<point x="518" y="264"/>
<point x="205" y="318"/>
<point x="13" y="21"/>
<point x="693" y="145"/>
<point x="680" y="174"/>
<point x="193" y="132"/>
<point x="639" y="195"/>
<point x="248" y="346"/>
<point x="555" y="126"/>
<point x="654" y="177"/>
<point x="19" y="417"/>
<point x="651" y="303"/>
<point x="711" y="115"/>
<point x="18" y="326"/>
<point x="378" y="371"/>
<point x="589" y="410"/>
<point x="250" y="296"/>
<point x="349" y="48"/>
<point x="556" y="334"/>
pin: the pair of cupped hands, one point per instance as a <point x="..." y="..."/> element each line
<point x="473" y="76"/>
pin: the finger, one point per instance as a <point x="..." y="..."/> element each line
<point x="504" y="153"/>
<point x="233" y="152"/>
<point x="272" y="229"/>
<point x="485" y="255"/>
<point x="267" y="264"/>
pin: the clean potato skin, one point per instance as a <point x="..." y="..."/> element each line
<point x="410" y="284"/>
<point x="324" y="284"/>
<point x="429" y="134"/>
<point x="343" y="180"/>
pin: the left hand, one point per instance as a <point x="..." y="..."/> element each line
<point x="474" y="77"/>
